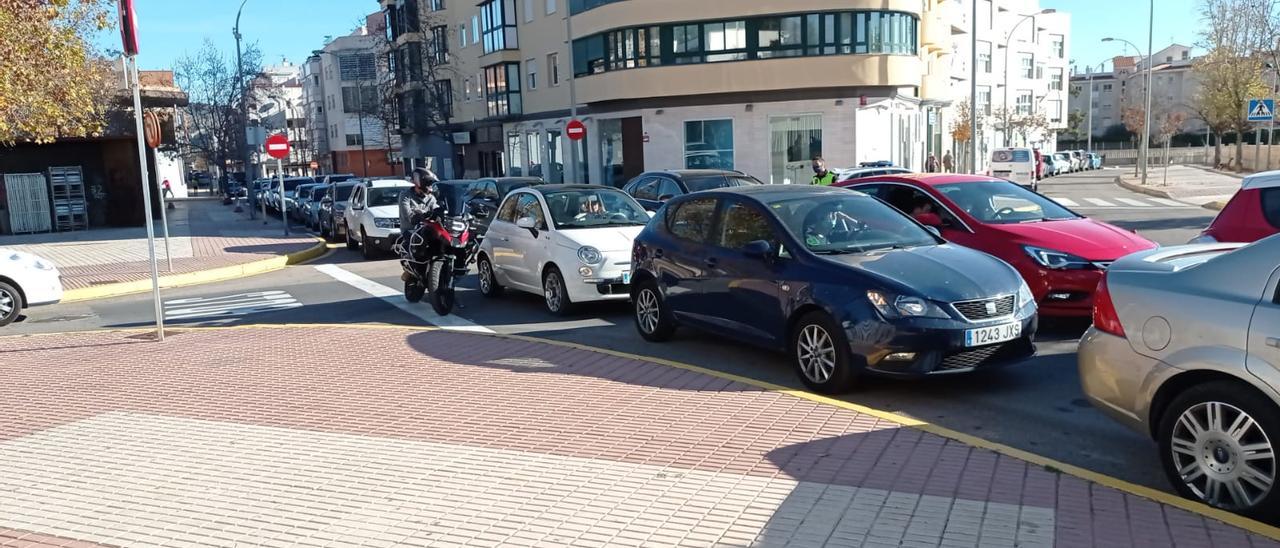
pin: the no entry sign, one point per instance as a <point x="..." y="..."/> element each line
<point x="575" y="130"/>
<point x="277" y="146"/>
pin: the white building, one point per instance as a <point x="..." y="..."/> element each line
<point x="276" y="106"/>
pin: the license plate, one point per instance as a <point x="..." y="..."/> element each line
<point x="994" y="334"/>
<point x="1002" y="173"/>
<point x="626" y="277"/>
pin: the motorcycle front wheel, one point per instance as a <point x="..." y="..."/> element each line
<point x="439" y="284"/>
<point x="413" y="291"/>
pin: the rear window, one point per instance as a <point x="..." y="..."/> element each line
<point x="1271" y="206"/>
<point x="1016" y="155"/>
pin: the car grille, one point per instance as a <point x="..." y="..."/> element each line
<point x="978" y="310"/>
<point x="967" y="359"/>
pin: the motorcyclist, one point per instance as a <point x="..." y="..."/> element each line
<point x="418" y="200"/>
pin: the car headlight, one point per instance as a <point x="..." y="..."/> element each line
<point x="385" y="222"/>
<point x="590" y="255"/>
<point x="1055" y="260"/>
<point x="903" y="306"/>
<point x="1024" y="294"/>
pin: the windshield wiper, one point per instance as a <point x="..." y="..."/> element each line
<point x="834" y="252"/>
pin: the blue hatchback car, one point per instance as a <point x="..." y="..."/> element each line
<point x="841" y="281"/>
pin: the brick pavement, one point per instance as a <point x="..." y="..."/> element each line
<point x="204" y="235"/>
<point x="449" y="439"/>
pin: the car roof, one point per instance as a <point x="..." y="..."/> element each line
<point x="512" y="179"/>
<point x="1266" y="179"/>
<point x="931" y="179"/>
<point x="382" y="183"/>
<point x="766" y="193"/>
<point x="694" y="173"/>
<point x="559" y="187"/>
<point x="347" y="183"/>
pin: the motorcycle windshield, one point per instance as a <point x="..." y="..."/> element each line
<point x="452" y="197"/>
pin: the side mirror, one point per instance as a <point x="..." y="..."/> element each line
<point x="758" y="249"/>
<point x="666" y="197"/>
<point x="527" y="222"/>
<point x="933" y="230"/>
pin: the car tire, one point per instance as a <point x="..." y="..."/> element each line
<point x="821" y="355"/>
<point x="352" y="244"/>
<point x="555" y="294"/>
<point x="489" y="286"/>
<point x="653" y="316"/>
<point x="330" y="232"/>
<point x="10" y="304"/>
<point x="367" y="250"/>
<point x="1216" y="455"/>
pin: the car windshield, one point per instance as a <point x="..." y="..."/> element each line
<point x="1002" y="202"/>
<point x="343" y="192"/>
<point x="854" y="223"/>
<point x="385" y="195"/>
<point x="582" y="208"/>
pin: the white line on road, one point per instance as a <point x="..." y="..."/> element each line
<point x="225" y="306"/>
<point x="1168" y="202"/>
<point x="395" y="298"/>
<point x="1099" y="202"/>
<point x="1132" y="202"/>
<point x="1065" y="201"/>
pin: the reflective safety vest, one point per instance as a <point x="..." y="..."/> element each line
<point x="824" y="180"/>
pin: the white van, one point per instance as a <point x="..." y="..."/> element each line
<point x="1015" y="164"/>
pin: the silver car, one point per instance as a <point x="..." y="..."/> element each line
<point x="1185" y="347"/>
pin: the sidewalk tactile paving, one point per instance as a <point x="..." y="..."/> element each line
<point x="451" y="439"/>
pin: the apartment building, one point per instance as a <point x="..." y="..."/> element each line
<point x="276" y="106"/>
<point x="343" y="90"/>
<point x="1022" y="57"/>
<point x="1107" y="93"/>
<point x="752" y="85"/>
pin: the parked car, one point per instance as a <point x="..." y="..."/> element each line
<point x="1060" y="253"/>
<point x="842" y="282"/>
<point x="1015" y="164"/>
<point x="26" y="281"/>
<point x="846" y="175"/>
<point x="568" y="243"/>
<point x="1061" y="163"/>
<point x="1184" y="348"/>
<point x="1252" y="213"/>
<point x="280" y="200"/>
<point x="1095" y="161"/>
<point x="877" y="163"/>
<point x="332" y="208"/>
<point x="311" y="206"/>
<point x="372" y="222"/>
<point x="654" y="188"/>
<point x="484" y="195"/>
<point x="1077" y="160"/>
<point x="298" y="200"/>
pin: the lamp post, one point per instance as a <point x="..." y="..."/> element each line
<point x="1089" y="136"/>
<point x="973" y="92"/>
<point x="1141" y="164"/>
<point x="1004" y="131"/>
<point x="244" y="94"/>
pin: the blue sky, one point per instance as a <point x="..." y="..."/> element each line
<point x="282" y="28"/>
<point x="293" y="28"/>
<point x="1176" y="21"/>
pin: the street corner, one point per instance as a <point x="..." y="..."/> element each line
<point x="421" y="437"/>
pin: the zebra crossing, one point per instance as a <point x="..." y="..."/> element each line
<point x="1118" y="203"/>
<point x="229" y="306"/>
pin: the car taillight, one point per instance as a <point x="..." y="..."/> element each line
<point x="1105" y="318"/>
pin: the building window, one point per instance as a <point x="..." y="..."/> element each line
<point x="1058" y="44"/>
<point x="1055" y="78"/>
<point x="793" y="142"/>
<point x="439" y="45"/>
<point x="353" y="97"/>
<point x="528" y="11"/>
<point x="462" y="35"/>
<point x="1039" y="72"/>
<point x="1024" y="102"/>
<point x="687" y="44"/>
<point x="436" y="5"/>
<point x="630" y="48"/>
<point x="551" y="7"/>
<point x="531" y="67"/>
<point x="502" y="89"/>
<point x="781" y="36"/>
<point x="357" y="66"/>
<point x="984" y="100"/>
<point x="1027" y="62"/>
<point x="1106" y="87"/>
<point x="1055" y="110"/>
<point x="553" y="68"/>
<point x="984" y="56"/>
<point x="466" y="89"/>
<point x="475" y="29"/>
<point x="708" y="144"/>
<point x="354" y="139"/>
<point x="498" y="25"/>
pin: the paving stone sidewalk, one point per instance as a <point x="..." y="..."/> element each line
<point x="435" y="438"/>
<point x="204" y="234"/>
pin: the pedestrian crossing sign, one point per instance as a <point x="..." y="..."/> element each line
<point x="1261" y="110"/>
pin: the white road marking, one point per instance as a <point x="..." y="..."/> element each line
<point x="224" y="306"/>
<point x="1065" y="201"/>
<point x="1168" y="202"/>
<point x="395" y="298"/>
<point x="1099" y="202"/>
<point x="1132" y="202"/>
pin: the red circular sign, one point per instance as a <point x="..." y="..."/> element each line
<point x="575" y="130"/>
<point x="277" y="146"/>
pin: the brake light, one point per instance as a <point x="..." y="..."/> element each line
<point x="1105" y="318"/>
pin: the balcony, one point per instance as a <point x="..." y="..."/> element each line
<point x="611" y="15"/>
<point x="935" y="33"/>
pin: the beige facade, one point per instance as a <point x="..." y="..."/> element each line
<point x="753" y="85"/>
<point x="1108" y="93"/>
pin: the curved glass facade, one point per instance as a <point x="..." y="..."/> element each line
<point x="763" y="37"/>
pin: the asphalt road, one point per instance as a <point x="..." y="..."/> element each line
<point x="1036" y="406"/>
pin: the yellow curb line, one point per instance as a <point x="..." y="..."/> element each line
<point x="1052" y="465"/>
<point x="196" y="278"/>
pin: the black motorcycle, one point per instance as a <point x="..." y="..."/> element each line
<point x="439" y="251"/>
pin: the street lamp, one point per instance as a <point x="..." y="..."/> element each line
<point x="1089" y="136"/>
<point x="1146" y="114"/>
<point x="1005" y="103"/>
<point x="244" y="93"/>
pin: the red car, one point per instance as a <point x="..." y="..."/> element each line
<point x="1251" y="215"/>
<point x="1060" y="254"/>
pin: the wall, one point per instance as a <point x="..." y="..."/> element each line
<point x="350" y="161"/>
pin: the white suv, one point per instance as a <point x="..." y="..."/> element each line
<point x="25" y="281"/>
<point x="373" y="216"/>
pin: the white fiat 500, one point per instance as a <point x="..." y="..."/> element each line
<point x="25" y="281"/>
<point x="568" y="243"/>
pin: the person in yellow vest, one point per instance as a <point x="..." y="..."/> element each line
<point x="821" y="176"/>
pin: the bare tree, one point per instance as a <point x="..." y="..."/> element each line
<point x="1240" y="38"/>
<point x="417" y="94"/>
<point x="216" y="126"/>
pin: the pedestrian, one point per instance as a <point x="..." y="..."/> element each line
<point x="168" y="189"/>
<point x="947" y="164"/>
<point x="931" y="165"/>
<point x="821" y="176"/>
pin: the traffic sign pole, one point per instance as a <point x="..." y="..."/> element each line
<point x="146" y="198"/>
<point x="284" y="206"/>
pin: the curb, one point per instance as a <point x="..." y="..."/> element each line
<point x="1155" y="495"/>
<point x="1215" y="205"/>
<point x="196" y="278"/>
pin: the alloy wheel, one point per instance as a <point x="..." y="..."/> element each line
<point x="1223" y="455"/>
<point x="551" y="290"/>
<point x="485" y="272"/>
<point x="647" y="310"/>
<point x="7" y="303"/>
<point x="816" y="352"/>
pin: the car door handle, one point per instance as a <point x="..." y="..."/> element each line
<point x="1273" y="341"/>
